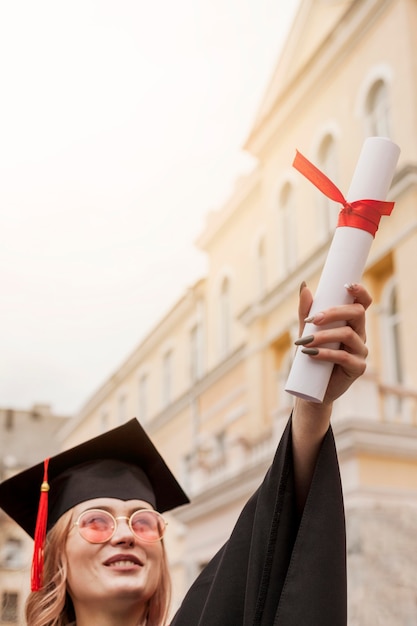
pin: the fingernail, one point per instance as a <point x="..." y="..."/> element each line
<point x="316" y="319"/>
<point x="351" y="286"/>
<point x="303" y="285"/>
<point x="310" y="351"/>
<point x="302" y="341"/>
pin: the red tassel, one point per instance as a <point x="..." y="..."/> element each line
<point x="40" y="533"/>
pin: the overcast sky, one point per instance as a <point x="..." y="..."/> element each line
<point x="121" y="127"/>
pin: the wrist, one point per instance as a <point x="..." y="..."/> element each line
<point x="317" y="409"/>
<point x="312" y="417"/>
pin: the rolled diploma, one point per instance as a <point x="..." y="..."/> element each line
<point x="345" y="263"/>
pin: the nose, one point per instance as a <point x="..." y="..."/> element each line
<point x="123" y="534"/>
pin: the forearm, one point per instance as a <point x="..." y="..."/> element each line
<point x="310" y="423"/>
<point x="310" y="420"/>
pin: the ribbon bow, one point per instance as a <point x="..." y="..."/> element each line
<point x="362" y="214"/>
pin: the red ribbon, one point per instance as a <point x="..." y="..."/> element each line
<point x="362" y="214"/>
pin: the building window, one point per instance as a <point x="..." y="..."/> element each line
<point x="9" y="607"/>
<point x="281" y="353"/>
<point x="328" y="209"/>
<point x="122" y="409"/>
<point x="391" y="335"/>
<point x="196" y="352"/>
<point x="12" y="554"/>
<point x="377" y="110"/>
<point x="104" y="421"/>
<point x="394" y="406"/>
<point x="261" y="269"/>
<point x="196" y="345"/>
<point x="287" y="229"/>
<point x="167" y="371"/>
<point x="9" y="419"/>
<point x="224" y="318"/>
<point x="143" y="399"/>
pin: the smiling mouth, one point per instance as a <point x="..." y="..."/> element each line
<point x="123" y="561"/>
<point x="125" y="564"/>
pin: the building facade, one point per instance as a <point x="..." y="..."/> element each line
<point x="26" y="435"/>
<point x="208" y="380"/>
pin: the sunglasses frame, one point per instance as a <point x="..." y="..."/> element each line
<point x="164" y="524"/>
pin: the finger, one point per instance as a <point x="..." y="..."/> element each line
<point x="304" y="305"/>
<point x="353" y="365"/>
<point x="332" y="338"/>
<point x="351" y="314"/>
<point x="360" y="294"/>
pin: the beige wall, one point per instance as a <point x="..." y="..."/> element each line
<point x="218" y="433"/>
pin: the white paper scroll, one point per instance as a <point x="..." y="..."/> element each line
<point x="345" y="262"/>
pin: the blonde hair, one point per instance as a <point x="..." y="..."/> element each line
<point x="52" y="605"/>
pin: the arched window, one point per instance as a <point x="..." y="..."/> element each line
<point x="393" y="372"/>
<point x="393" y="367"/>
<point x="328" y="210"/>
<point x="377" y="110"/>
<point x="224" y="317"/>
<point x="287" y="229"/>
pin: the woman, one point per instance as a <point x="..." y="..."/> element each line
<point x="114" y="581"/>
<point x="105" y="561"/>
<point x="284" y="563"/>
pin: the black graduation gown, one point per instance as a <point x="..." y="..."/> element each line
<point x="277" y="570"/>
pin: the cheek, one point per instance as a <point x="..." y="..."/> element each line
<point x="80" y="562"/>
<point x="73" y="551"/>
<point x="157" y="558"/>
<point x="158" y="554"/>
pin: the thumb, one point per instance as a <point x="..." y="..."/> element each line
<point x="304" y="305"/>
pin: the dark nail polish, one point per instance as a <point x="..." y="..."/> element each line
<point x="310" y="351"/>
<point x="303" y="284"/>
<point x="302" y="341"/>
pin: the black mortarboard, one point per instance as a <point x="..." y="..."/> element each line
<point x="122" y="463"/>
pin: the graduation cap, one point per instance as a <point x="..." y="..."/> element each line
<point x="122" y="463"/>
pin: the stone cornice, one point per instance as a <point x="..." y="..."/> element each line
<point x="353" y="436"/>
<point x="356" y="435"/>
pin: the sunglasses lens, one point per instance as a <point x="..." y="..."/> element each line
<point x="148" y="525"/>
<point x="96" y="526"/>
